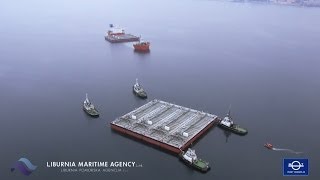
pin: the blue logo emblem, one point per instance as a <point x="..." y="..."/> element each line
<point x="24" y="166"/>
<point x="295" y="167"/>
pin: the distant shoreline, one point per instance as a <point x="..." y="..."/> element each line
<point x="308" y="4"/>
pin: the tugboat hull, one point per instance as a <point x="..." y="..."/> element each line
<point x="235" y="130"/>
<point x="194" y="166"/>
<point x="141" y="47"/>
<point x="140" y="95"/>
<point x="142" y="50"/>
<point x="91" y="113"/>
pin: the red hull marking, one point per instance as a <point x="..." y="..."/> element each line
<point x="141" y="48"/>
<point x="161" y="144"/>
<point x="146" y="139"/>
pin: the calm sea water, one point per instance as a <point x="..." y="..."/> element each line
<point x="261" y="59"/>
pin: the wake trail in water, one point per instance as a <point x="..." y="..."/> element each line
<point x="287" y="150"/>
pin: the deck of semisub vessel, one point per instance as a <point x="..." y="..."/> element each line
<point x="169" y="126"/>
<point x="121" y="38"/>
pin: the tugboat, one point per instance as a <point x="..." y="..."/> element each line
<point x="268" y="146"/>
<point x="228" y="124"/>
<point x="89" y="108"/>
<point x="142" y="46"/>
<point x="138" y="90"/>
<point x="191" y="159"/>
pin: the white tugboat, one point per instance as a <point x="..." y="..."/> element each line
<point x="228" y="124"/>
<point x="89" y="108"/>
<point x="191" y="159"/>
<point x="138" y="90"/>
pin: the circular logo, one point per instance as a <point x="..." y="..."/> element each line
<point x="296" y="165"/>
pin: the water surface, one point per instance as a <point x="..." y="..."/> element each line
<point x="261" y="59"/>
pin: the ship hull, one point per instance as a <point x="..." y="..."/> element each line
<point x="121" y="38"/>
<point x="95" y="115"/>
<point x="142" y="96"/>
<point x="205" y="169"/>
<point x="156" y="143"/>
<point x="234" y="130"/>
<point x="141" y="48"/>
<point x="145" y="139"/>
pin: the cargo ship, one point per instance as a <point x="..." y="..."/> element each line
<point x="165" y="125"/>
<point x="117" y="35"/>
<point x="142" y="46"/>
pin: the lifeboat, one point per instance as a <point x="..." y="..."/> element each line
<point x="268" y="146"/>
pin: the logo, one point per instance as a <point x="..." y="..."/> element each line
<point x="295" y="167"/>
<point x="24" y="166"/>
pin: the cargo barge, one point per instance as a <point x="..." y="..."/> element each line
<point x="117" y="35"/>
<point x="166" y="125"/>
